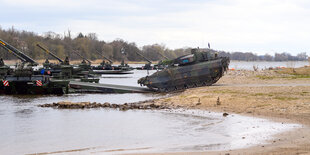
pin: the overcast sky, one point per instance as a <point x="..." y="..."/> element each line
<point x="259" y="26"/>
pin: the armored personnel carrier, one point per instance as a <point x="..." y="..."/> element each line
<point x="193" y="70"/>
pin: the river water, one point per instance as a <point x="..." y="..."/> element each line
<point x="248" y="65"/>
<point x="28" y="129"/>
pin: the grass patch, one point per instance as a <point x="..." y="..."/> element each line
<point x="282" y="98"/>
<point x="207" y="96"/>
<point x="296" y="76"/>
<point x="264" y="77"/>
<point x="302" y="72"/>
<point x="167" y="99"/>
<point x="262" y="105"/>
<point x="259" y="94"/>
<point x="262" y="94"/>
<point x="182" y="96"/>
<point x="226" y="91"/>
<point x="295" y="71"/>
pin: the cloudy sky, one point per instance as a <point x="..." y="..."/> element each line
<point x="259" y="26"/>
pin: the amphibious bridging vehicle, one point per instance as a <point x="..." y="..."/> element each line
<point x="24" y="80"/>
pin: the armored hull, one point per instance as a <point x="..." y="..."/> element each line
<point x="35" y="84"/>
<point x="187" y="76"/>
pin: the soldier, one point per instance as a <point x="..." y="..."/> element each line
<point x="46" y="64"/>
<point x="102" y="63"/>
<point x="83" y="62"/>
<point x="1" y="62"/>
<point x="194" y="50"/>
<point x="123" y="63"/>
<point x="66" y="62"/>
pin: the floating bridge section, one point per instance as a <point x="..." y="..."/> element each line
<point x="86" y="87"/>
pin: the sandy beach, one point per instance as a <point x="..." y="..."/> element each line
<point x="276" y="95"/>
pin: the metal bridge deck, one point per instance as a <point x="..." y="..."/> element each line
<point x="105" y="88"/>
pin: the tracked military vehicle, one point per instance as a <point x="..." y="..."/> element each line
<point x="104" y="65"/>
<point x="107" y="67"/>
<point x="147" y="66"/>
<point x="65" y="71"/>
<point x="4" y="69"/>
<point x="24" y="80"/>
<point x="193" y="70"/>
<point x="162" y="64"/>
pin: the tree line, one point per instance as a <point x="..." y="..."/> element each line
<point x="248" y="56"/>
<point x="87" y="44"/>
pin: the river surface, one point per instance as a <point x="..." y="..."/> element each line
<point x="28" y="129"/>
<point x="248" y="65"/>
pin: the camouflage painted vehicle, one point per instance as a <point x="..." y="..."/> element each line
<point x="108" y="65"/>
<point x="193" y="70"/>
<point x="162" y="64"/>
<point x="65" y="71"/>
<point x="147" y="66"/>
<point x="24" y="80"/>
<point x="4" y="71"/>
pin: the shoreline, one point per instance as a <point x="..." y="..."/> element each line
<point x="266" y="94"/>
<point x="289" y="103"/>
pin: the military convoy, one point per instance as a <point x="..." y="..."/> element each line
<point x="196" y="69"/>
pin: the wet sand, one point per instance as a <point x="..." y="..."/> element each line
<point x="264" y="94"/>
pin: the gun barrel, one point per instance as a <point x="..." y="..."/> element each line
<point x="163" y="55"/>
<point x="17" y="53"/>
<point x="19" y="57"/>
<point x="81" y="56"/>
<point x="50" y="53"/>
<point x="144" y="57"/>
<point x="104" y="57"/>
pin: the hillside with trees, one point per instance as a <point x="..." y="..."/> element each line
<point x="87" y="44"/>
